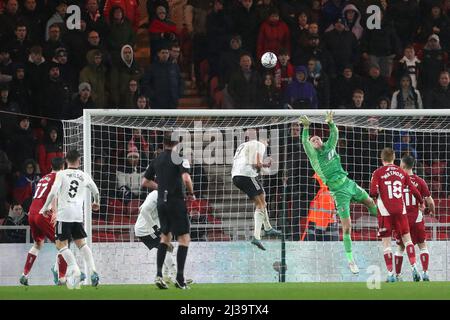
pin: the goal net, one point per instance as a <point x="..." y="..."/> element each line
<point x="117" y="146"/>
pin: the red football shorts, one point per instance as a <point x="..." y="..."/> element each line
<point x="41" y="227"/>
<point x="394" y="222"/>
<point x="417" y="231"/>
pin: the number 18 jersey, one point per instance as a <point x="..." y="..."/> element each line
<point x="70" y="187"/>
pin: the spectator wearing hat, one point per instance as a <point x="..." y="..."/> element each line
<point x="380" y="46"/>
<point x="58" y="17"/>
<point x="57" y="94"/>
<point x="162" y="82"/>
<point x="19" y="88"/>
<point x="273" y="35"/>
<point x="130" y="8"/>
<point x="54" y="42"/>
<point x="300" y="94"/>
<point x="95" y="20"/>
<point x="434" y="61"/>
<point x="439" y="97"/>
<point x="120" y="33"/>
<point x="19" y="48"/>
<point x="82" y="100"/>
<point x="8" y="121"/>
<point x="8" y="20"/>
<point x="121" y="75"/>
<point x="34" y="20"/>
<point x="69" y="74"/>
<point x="37" y="69"/>
<point x="343" y="86"/>
<point x="375" y="86"/>
<point x="407" y="97"/>
<point x="22" y="137"/>
<point x="342" y="45"/>
<point x="435" y="22"/>
<point x="95" y="74"/>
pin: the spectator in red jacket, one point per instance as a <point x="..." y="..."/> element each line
<point x="130" y="8"/>
<point x="51" y="148"/>
<point x="274" y="34"/>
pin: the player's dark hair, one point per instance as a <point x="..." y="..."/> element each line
<point x="388" y="155"/>
<point x="72" y="156"/>
<point x="57" y="163"/>
<point x="168" y="140"/>
<point x="409" y="161"/>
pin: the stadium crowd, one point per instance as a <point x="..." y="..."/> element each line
<point x="327" y="58"/>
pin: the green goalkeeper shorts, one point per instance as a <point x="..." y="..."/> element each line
<point x="348" y="192"/>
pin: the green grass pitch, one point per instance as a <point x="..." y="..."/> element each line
<point x="254" y="291"/>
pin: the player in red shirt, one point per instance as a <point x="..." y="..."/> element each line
<point x="387" y="187"/>
<point x="43" y="226"/>
<point x="415" y="218"/>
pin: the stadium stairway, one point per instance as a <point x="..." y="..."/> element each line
<point x="191" y="99"/>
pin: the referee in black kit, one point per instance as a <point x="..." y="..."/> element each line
<point x="170" y="172"/>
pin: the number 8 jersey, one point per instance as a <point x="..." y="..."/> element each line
<point x="387" y="186"/>
<point x="70" y="190"/>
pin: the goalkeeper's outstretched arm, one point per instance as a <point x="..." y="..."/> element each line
<point x="305" y="137"/>
<point x="334" y="132"/>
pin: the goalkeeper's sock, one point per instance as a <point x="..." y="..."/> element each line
<point x="388" y="259"/>
<point x="266" y="222"/>
<point x="398" y="261"/>
<point x="31" y="257"/>
<point x="160" y="256"/>
<point x="88" y="258"/>
<point x="181" y="260"/>
<point x="373" y="211"/>
<point x="70" y="259"/>
<point x="259" y="220"/>
<point x="424" y="259"/>
<point x="347" y="239"/>
<point x="411" y="252"/>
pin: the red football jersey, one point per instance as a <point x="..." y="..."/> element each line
<point x="387" y="185"/>
<point x="412" y="206"/>
<point x="42" y="190"/>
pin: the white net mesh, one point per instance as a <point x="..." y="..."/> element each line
<point x="222" y="216"/>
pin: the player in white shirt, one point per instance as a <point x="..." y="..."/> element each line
<point x="70" y="189"/>
<point x="247" y="162"/>
<point x="147" y="229"/>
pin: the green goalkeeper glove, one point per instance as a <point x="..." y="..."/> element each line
<point x="329" y="116"/>
<point x="305" y="121"/>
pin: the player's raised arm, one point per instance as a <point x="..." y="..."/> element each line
<point x="334" y="132"/>
<point x="55" y="188"/>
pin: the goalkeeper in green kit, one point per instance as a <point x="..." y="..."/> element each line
<point x="327" y="164"/>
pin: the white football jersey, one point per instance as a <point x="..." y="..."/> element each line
<point x="70" y="191"/>
<point x="148" y="216"/>
<point x="245" y="158"/>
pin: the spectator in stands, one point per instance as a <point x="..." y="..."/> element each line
<point x="57" y="18"/>
<point x="7" y="104"/>
<point x="142" y="146"/>
<point x="121" y="75"/>
<point x="19" y="89"/>
<point x="34" y="20"/>
<point x="9" y="20"/>
<point x="284" y="70"/>
<point x="37" y="69"/>
<point x="321" y="83"/>
<point x="357" y="100"/>
<point x="95" y="21"/>
<point x="263" y="9"/>
<point x="25" y="185"/>
<point x="6" y="63"/>
<point x="343" y="86"/>
<point x="162" y="82"/>
<point x="410" y="65"/>
<point x="152" y="5"/>
<point x="105" y="180"/>
<point x="22" y="137"/>
<point x="162" y="32"/>
<point x="352" y="20"/>
<point x="300" y="33"/>
<point x="289" y="9"/>
<point x="19" y="48"/>
<point x="130" y="8"/>
<point x="175" y="53"/>
<point x="120" y="33"/>
<point x="438" y="24"/>
<point x="439" y="97"/>
<point x="75" y="42"/>
<point x="406" y="144"/>
<point x="142" y="102"/>
<point x="269" y="93"/>
<point x="95" y="74"/>
<point x="245" y="84"/>
<point x="300" y="94"/>
<point x="94" y="43"/>
<point x="56" y="94"/>
<point x="129" y="99"/>
<point x="384" y="103"/>
<point x="230" y="60"/>
<point x="16" y="217"/>
<point x="53" y="42"/>
<point x="433" y="62"/>
<point x="406" y="97"/>
<point x="52" y="147"/>
<point x="246" y="24"/>
<point x="316" y="50"/>
<point x="69" y="74"/>
<point x="81" y="101"/>
<point x="381" y="45"/>
<point x="405" y="16"/>
<point x="129" y="177"/>
<point x="273" y="35"/>
<point x="219" y="26"/>
<point x="331" y="12"/>
<point x="375" y="86"/>
<point x="5" y="170"/>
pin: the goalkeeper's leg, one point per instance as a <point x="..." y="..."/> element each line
<point x="347" y="239"/>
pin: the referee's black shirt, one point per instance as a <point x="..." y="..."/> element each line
<point x="168" y="175"/>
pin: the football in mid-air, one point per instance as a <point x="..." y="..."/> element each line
<point x="269" y="60"/>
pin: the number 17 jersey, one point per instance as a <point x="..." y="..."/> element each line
<point x="42" y="190"/>
<point x="71" y="185"/>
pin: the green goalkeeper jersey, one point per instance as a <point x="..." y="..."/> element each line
<point x="326" y="162"/>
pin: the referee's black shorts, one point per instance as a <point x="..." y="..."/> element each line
<point x="173" y="216"/>
<point x="250" y="186"/>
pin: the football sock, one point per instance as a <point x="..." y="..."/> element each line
<point x="160" y="256"/>
<point x="373" y="211"/>
<point x="424" y="259"/>
<point x="266" y="222"/>
<point x="388" y="259"/>
<point x="168" y="262"/>
<point x="31" y="256"/>
<point x="181" y="259"/>
<point x="411" y="252"/>
<point x="398" y="259"/>
<point x="87" y="256"/>
<point x="259" y="220"/>
<point x="67" y="254"/>
<point x="347" y="239"/>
